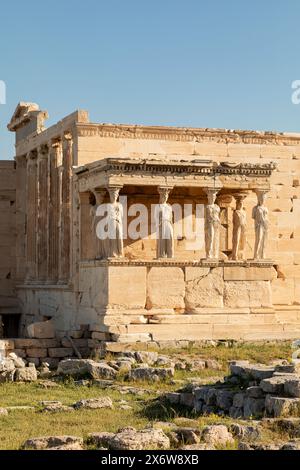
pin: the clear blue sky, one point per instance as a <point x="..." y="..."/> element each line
<point x="169" y="62"/>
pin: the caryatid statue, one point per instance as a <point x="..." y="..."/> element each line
<point x="99" y="244"/>
<point x="212" y="225"/>
<point x="261" y="224"/>
<point x="114" y="242"/>
<point x="239" y="222"/>
<point x="164" y="225"/>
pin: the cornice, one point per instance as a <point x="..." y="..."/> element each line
<point x="188" y="134"/>
<point x="175" y="262"/>
<point x="196" y="167"/>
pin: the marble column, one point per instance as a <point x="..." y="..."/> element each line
<point x="164" y="225"/>
<point x="65" y="223"/>
<point x="87" y="244"/>
<point x="260" y="215"/>
<point x="54" y="208"/>
<point x="114" y="242"/>
<point x="43" y="201"/>
<point x="239" y="223"/>
<point x="31" y="217"/>
<point x="212" y="225"/>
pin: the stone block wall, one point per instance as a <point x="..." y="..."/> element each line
<point x="8" y="301"/>
<point x="44" y="350"/>
<point x="184" y="303"/>
<point x="97" y="141"/>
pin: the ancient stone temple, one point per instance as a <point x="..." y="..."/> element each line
<point x="206" y="229"/>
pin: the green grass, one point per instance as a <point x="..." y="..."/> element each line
<point x="262" y="352"/>
<point x="20" y="425"/>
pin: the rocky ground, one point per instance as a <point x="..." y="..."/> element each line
<point x="221" y="396"/>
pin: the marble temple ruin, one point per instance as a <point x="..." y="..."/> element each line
<point x="219" y="259"/>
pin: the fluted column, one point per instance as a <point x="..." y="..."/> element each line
<point x="86" y="232"/>
<point x="65" y="225"/>
<point x="53" y="213"/>
<point x="31" y="218"/>
<point x="43" y="195"/>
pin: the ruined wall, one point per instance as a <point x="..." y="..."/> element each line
<point x="8" y="302"/>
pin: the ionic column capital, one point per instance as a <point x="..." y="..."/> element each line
<point x="43" y="151"/>
<point x="31" y="156"/>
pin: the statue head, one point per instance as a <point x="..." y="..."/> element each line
<point x="239" y="204"/>
<point x="261" y="197"/>
<point x="163" y="195"/>
<point x="211" y="196"/>
<point x="113" y="194"/>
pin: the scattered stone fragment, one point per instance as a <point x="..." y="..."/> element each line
<point x="217" y="434"/>
<point x="48" y="384"/>
<point x="125" y="407"/>
<point x="151" y="373"/>
<point x="180" y="365"/>
<point x="282" y="406"/>
<point x="3" y="412"/>
<point x="147" y="357"/>
<point x="274" y="385"/>
<point x="286" y="368"/>
<point x="7" y="376"/>
<point x="244" y="370"/>
<point x="94" y="403"/>
<point x="86" y="368"/>
<point x="244" y="431"/>
<point x="18" y="361"/>
<point x="74" y="446"/>
<point x="164" y="361"/>
<point x="100" y="439"/>
<point x="26" y="374"/>
<point x="188" y="435"/>
<point x="44" y="370"/>
<point x="40" y="443"/>
<point x="102" y="383"/>
<point x="131" y="439"/>
<point x="54" y="407"/>
<point x="20" y="407"/>
<point x="7" y="370"/>
<point x="195" y="365"/>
